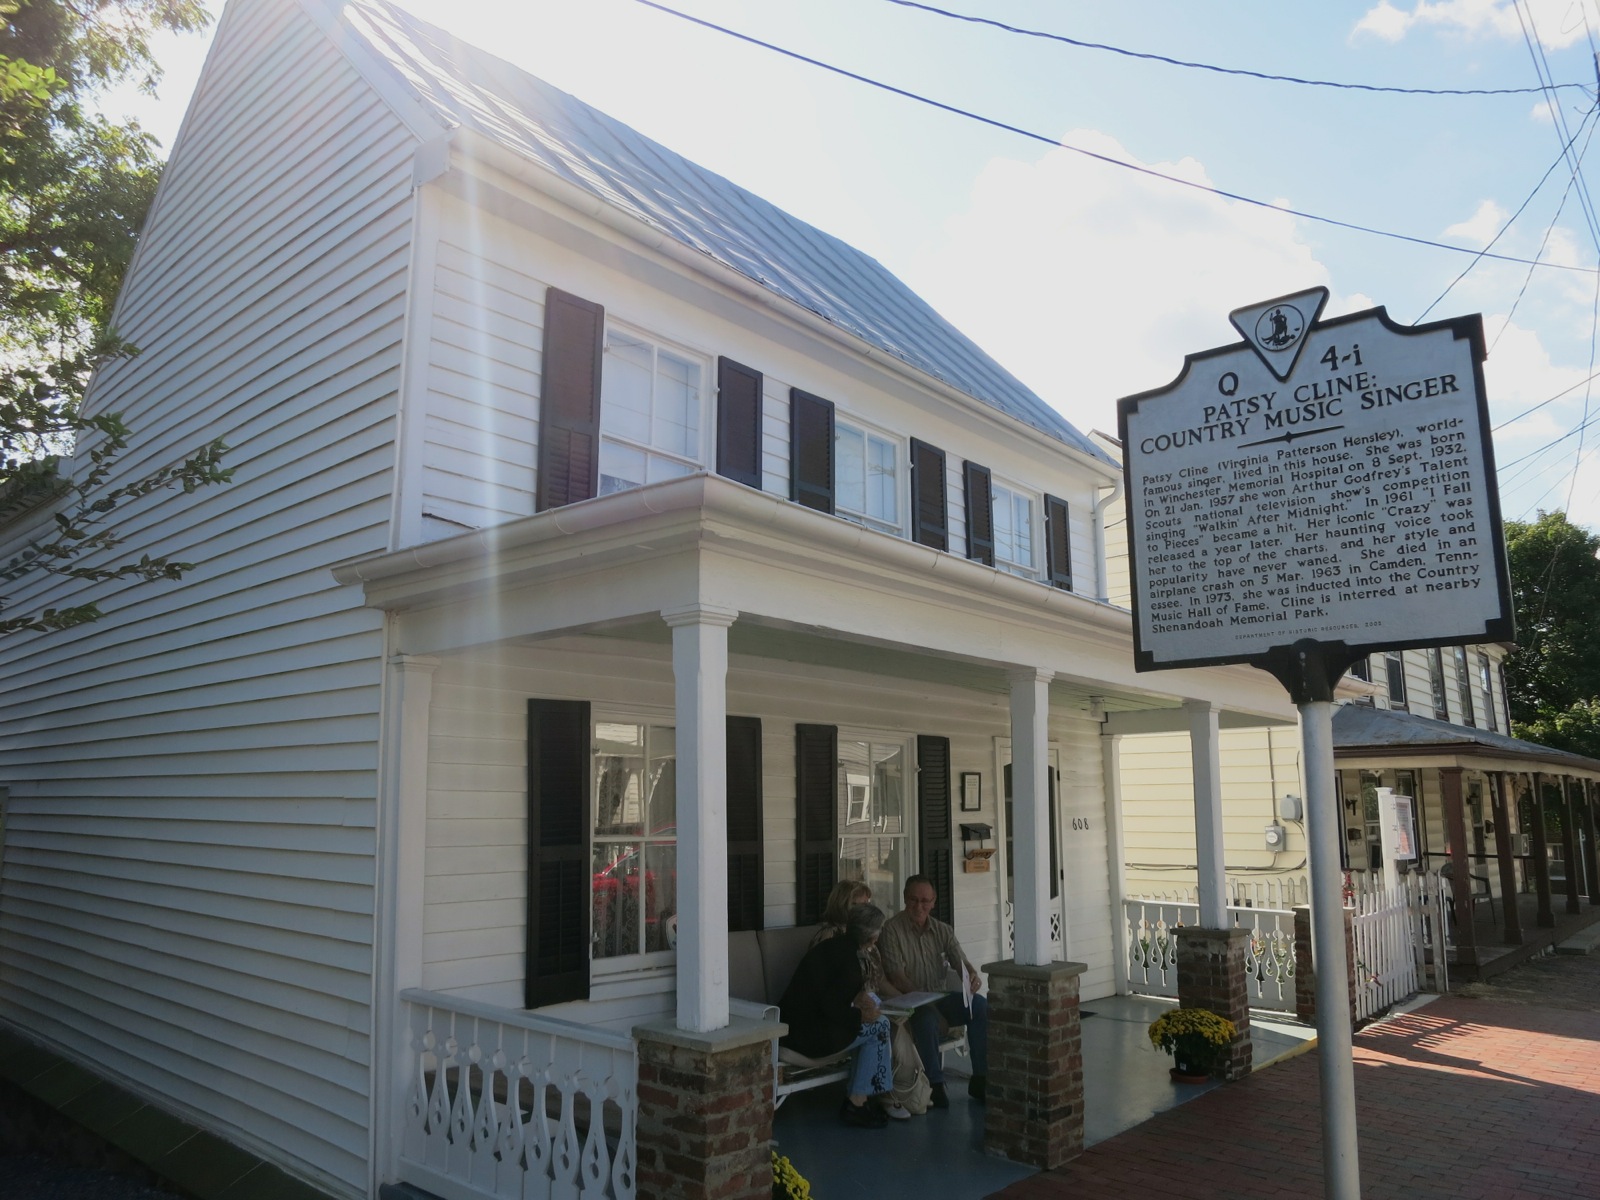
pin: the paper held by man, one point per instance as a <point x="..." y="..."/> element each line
<point x="904" y="1005"/>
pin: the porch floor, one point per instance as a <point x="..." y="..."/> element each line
<point x="1495" y="956"/>
<point x="941" y="1154"/>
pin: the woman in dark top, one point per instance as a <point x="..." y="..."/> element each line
<point x="828" y="1008"/>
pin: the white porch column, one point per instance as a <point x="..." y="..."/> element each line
<point x="700" y="681"/>
<point x="402" y="847"/>
<point x="1116" y="850"/>
<point x="1205" y="752"/>
<point x="1030" y="797"/>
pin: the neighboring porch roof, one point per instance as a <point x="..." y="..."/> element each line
<point x="460" y="85"/>
<point x="1363" y="731"/>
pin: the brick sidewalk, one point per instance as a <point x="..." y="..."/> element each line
<point x="1467" y="1099"/>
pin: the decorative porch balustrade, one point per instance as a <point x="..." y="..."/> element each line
<point x="1153" y="948"/>
<point x="504" y="1104"/>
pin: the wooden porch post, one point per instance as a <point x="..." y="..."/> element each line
<point x="1541" y="854"/>
<point x="1505" y="848"/>
<point x="1455" y="829"/>
<point x="1590" y="857"/>
<point x="1569" y="844"/>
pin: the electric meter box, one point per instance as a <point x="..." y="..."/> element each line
<point x="1277" y="837"/>
<point x="1291" y="809"/>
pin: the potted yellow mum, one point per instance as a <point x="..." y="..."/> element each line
<point x="1195" y="1037"/>
<point x="787" y="1183"/>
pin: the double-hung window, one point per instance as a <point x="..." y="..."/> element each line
<point x="634" y="870"/>
<point x="866" y="467"/>
<point x="652" y="400"/>
<point x="1463" y="684"/>
<point x="1014" y="541"/>
<point x="874" y="806"/>
<point x="1395" y="675"/>
<point x="1441" y="705"/>
<point x="1486" y="689"/>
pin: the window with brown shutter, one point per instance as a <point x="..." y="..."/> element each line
<point x="816" y="753"/>
<point x="930" y="512"/>
<point x="739" y="422"/>
<point x="980" y="513"/>
<point x="569" y="400"/>
<point x="1057" y="543"/>
<point x="936" y="822"/>
<point x="558" y="852"/>
<point x="745" y="899"/>
<point x="810" y="450"/>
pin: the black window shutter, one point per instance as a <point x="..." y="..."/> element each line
<point x="569" y="400"/>
<point x="744" y="824"/>
<point x="810" y="450"/>
<point x="1055" y="832"/>
<point x="1057" y="543"/>
<point x="816" y="770"/>
<point x="935" y="821"/>
<point x="739" y="422"/>
<point x="980" y="513"/>
<point x="559" y="823"/>
<point x="930" y="512"/>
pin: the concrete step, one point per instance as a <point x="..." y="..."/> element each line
<point x="1585" y="941"/>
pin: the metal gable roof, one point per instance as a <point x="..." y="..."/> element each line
<point x="694" y="206"/>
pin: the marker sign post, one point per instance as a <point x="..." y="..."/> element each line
<point x="1296" y="501"/>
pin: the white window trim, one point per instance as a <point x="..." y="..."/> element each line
<point x="908" y="744"/>
<point x="902" y="475"/>
<point x="621" y="968"/>
<point x="1035" y="532"/>
<point x="707" y="389"/>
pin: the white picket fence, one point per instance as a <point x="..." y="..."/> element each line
<point x="1387" y="950"/>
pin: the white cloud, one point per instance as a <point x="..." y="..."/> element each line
<point x="1559" y="22"/>
<point x="1542" y="115"/>
<point x="1091" y="283"/>
<point x="1481" y="226"/>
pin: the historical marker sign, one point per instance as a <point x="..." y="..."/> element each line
<point x="1327" y="480"/>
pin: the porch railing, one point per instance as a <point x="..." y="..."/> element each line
<point x="1153" y="948"/>
<point x="505" y="1104"/>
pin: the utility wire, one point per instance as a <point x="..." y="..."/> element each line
<point x="1541" y="68"/>
<point x="1105" y="158"/>
<point x="1527" y="412"/>
<point x="1543" y="242"/>
<point x="1477" y="258"/>
<point x="1200" y="66"/>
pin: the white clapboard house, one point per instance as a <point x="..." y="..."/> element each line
<point x="612" y="562"/>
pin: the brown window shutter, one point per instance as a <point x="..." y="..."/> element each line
<point x="980" y="513"/>
<point x="816" y="771"/>
<point x="569" y="400"/>
<point x="810" y="450"/>
<point x="559" y="824"/>
<point x="930" y="512"/>
<point x="739" y="422"/>
<point x="745" y="899"/>
<point x="1057" y="543"/>
<point x="936" y="821"/>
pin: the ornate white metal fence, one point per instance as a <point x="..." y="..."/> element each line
<point x="503" y="1104"/>
<point x="1153" y="948"/>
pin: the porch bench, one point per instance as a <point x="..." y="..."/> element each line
<point x="760" y="965"/>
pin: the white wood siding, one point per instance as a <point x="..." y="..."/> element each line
<point x="474" y="886"/>
<point x="188" y="870"/>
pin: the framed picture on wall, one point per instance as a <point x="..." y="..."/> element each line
<point x="971" y="791"/>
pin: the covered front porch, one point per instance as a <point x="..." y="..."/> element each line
<point x="570" y="831"/>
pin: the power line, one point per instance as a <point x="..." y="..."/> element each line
<point x="1200" y="66"/>
<point x="1105" y="158"/>
<point x="1527" y="412"/>
<point x="1560" y="158"/>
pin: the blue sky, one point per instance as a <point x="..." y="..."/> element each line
<point x="1091" y="281"/>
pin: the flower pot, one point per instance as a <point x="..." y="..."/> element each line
<point x="1185" y="1074"/>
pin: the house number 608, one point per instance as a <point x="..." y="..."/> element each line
<point x="1080" y="822"/>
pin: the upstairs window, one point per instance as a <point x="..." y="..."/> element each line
<point x="1441" y="704"/>
<point x="1013" y="532"/>
<point x="866" y="470"/>
<point x="651" y="403"/>
<point x="1395" y="668"/>
<point x="1486" y="688"/>
<point x="1463" y="684"/>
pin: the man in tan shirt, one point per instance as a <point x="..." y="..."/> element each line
<point x="917" y="950"/>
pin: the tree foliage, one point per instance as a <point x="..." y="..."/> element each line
<point x="1553" y="677"/>
<point x="74" y="190"/>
